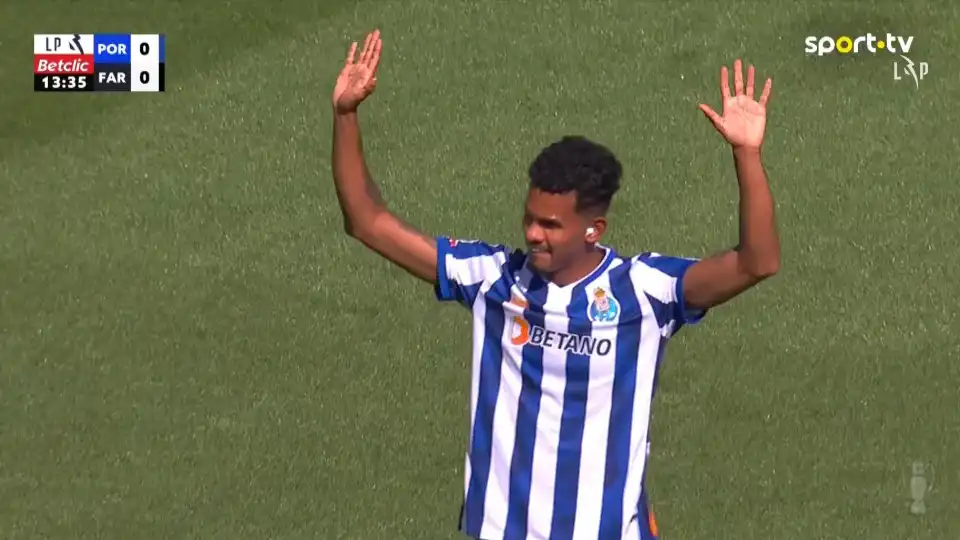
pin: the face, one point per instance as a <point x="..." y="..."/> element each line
<point x="556" y="234"/>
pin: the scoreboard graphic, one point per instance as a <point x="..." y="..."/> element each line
<point x="98" y="62"/>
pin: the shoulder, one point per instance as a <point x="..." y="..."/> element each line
<point x="668" y="265"/>
<point x="457" y="250"/>
<point x="658" y="274"/>
<point x="469" y="245"/>
<point x="461" y="248"/>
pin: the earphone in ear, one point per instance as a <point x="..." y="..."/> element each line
<point x="591" y="230"/>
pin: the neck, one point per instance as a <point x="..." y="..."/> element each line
<point x="578" y="270"/>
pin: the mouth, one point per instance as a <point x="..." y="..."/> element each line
<point x="539" y="256"/>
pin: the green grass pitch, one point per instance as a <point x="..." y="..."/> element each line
<point x="191" y="348"/>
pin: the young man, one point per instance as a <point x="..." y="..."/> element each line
<point x="567" y="335"/>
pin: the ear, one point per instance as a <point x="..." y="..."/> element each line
<point x="595" y="230"/>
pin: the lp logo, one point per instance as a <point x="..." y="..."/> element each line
<point x="910" y="70"/>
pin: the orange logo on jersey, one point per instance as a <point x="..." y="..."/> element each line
<point x="522" y="326"/>
<point x="652" y="522"/>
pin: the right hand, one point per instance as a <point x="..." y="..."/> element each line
<point x="358" y="78"/>
<point x="744" y="118"/>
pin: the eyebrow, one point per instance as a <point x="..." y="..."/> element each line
<point x="545" y="220"/>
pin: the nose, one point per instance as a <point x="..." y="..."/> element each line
<point x="534" y="235"/>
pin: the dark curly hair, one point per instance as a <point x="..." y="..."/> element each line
<point x="582" y="166"/>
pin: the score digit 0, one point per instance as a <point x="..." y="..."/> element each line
<point x="145" y="75"/>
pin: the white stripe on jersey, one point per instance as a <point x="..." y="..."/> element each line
<point x="548" y="423"/>
<point x="595" y="435"/>
<point x="562" y="383"/>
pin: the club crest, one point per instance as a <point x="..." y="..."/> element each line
<point x="603" y="308"/>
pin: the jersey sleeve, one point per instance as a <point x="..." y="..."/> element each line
<point x="463" y="266"/>
<point x="660" y="278"/>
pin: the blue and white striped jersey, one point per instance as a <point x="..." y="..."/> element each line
<point x="562" y="384"/>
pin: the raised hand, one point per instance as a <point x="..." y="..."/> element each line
<point x="358" y="78"/>
<point x="744" y="119"/>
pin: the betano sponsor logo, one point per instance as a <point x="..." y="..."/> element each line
<point x="525" y="333"/>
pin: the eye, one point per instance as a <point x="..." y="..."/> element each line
<point x="551" y="224"/>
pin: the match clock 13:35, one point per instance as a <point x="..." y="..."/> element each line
<point x="65" y="82"/>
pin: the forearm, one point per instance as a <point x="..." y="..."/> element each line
<point x="360" y="199"/>
<point x="759" y="249"/>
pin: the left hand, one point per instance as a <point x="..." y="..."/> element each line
<point x="358" y="78"/>
<point x="744" y="119"/>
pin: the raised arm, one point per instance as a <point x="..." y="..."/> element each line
<point x="717" y="279"/>
<point x="365" y="215"/>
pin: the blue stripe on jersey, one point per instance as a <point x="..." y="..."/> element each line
<point x="661" y="349"/>
<point x="569" y="449"/>
<point x="531" y="373"/>
<point x="481" y="443"/>
<point x="442" y="286"/>
<point x="621" y="414"/>
<point x="643" y="518"/>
